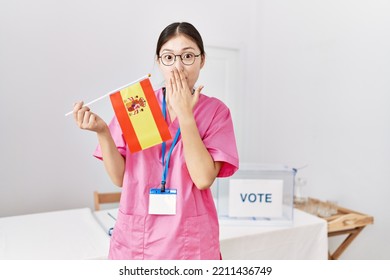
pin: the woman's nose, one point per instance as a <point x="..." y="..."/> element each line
<point x="178" y="63"/>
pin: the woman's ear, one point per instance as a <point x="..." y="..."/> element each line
<point x="203" y="60"/>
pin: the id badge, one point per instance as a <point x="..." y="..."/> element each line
<point x="162" y="203"/>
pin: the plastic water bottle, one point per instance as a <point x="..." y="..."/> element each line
<point x="299" y="190"/>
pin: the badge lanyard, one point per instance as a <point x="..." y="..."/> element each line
<point x="166" y="162"/>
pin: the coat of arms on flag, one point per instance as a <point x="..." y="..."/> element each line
<point x="135" y="105"/>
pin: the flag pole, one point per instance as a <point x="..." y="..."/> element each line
<point x="113" y="91"/>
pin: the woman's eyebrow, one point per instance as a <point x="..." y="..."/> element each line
<point x="183" y="49"/>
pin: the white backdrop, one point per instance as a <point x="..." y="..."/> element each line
<point x="314" y="90"/>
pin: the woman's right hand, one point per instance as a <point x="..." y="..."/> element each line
<point x="87" y="120"/>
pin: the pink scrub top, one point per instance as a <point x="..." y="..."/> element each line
<point x="193" y="233"/>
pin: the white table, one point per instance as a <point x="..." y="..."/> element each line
<point x="81" y="234"/>
<point x="305" y="239"/>
<point x="60" y="235"/>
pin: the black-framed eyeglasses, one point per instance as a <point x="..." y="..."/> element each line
<point x="188" y="58"/>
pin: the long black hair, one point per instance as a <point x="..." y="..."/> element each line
<point x="177" y="28"/>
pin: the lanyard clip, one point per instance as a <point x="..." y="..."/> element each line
<point x="163" y="186"/>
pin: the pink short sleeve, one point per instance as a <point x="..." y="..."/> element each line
<point x="220" y="141"/>
<point x="117" y="136"/>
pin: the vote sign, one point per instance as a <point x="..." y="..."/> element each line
<point x="255" y="198"/>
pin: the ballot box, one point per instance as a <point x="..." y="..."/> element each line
<point x="256" y="194"/>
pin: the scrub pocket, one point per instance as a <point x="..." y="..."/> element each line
<point x="127" y="241"/>
<point x="201" y="239"/>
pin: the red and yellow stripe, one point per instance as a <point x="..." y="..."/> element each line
<point x="145" y="129"/>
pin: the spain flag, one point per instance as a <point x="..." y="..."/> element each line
<point x="139" y="116"/>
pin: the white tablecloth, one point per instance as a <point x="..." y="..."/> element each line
<point x="81" y="234"/>
<point x="71" y="234"/>
<point x="305" y="239"/>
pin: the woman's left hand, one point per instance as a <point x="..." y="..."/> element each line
<point x="179" y="95"/>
